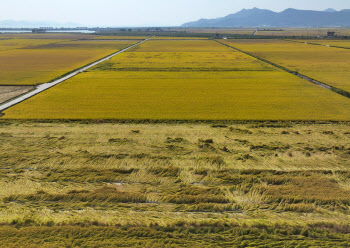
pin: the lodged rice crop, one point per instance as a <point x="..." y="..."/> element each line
<point x="95" y="184"/>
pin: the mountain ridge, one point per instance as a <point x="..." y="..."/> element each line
<point x="287" y="18"/>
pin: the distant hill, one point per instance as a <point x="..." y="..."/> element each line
<point x="287" y="18"/>
<point x="330" y="10"/>
<point x="33" y="24"/>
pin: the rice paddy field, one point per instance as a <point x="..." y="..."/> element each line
<point x="40" y="61"/>
<point x="305" y="32"/>
<point x="247" y="31"/>
<point x="286" y="32"/>
<point x="174" y="143"/>
<point x="178" y="38"/>
<point x="326" y="64"/>
<point x="172" y="96"/>
<point x="114" y="37"/>
<point x="10" y="44"/>
<point x="174" y="185"/>
<point x="69" y="36"/>
<point x="184" y="80"/>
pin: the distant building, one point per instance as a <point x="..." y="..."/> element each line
<point x="330" y="34"/>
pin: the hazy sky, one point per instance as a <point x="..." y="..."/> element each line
<point x="145" y="12"/>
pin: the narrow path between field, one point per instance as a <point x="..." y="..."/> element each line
<point x="323" y="85"/>
<point x="42" y="87"/>
<point x="316" y="44"/>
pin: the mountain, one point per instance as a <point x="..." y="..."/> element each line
<point x="330" y="10"/>
<point x="287" y="18"/>
<point x="34" y="24"/>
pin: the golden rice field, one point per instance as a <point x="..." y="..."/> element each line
<point x="118" y="37"/>
<point x="184" y="61"/>
<point x="248" y="90"/>
<point x="183" y="56"/>
<point x="84" y="44"/>
<point x="77" y="171"/>
<point x="180" y="46"/>
<point x="218" y="30"/>
<point x="41" y="63"/>
<point x="65" y="36"/>
<point x="178" y="38"/>
<point x="193" y="96"/>
<point x="326" y="64"/>
<point x="259" y="184"/>
<point x="23" y="43"/>
<point x="306" y="32"/>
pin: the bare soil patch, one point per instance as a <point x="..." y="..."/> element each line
<point x="9" y="92"/>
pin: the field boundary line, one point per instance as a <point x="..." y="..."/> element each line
<point x="42" y="87"/>
<point x="269" y="123"/>
<point x="295" y="73"/>
<point x="315" y="44"/>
